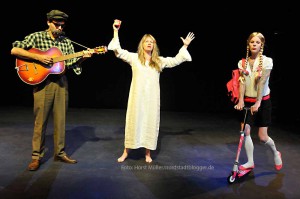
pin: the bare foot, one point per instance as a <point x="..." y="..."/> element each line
<point x="148" y="159"/>
<point x="124" y="156"/>
<point x="147" y="156"/>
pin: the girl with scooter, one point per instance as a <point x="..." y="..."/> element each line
<point x="254" y="92"/>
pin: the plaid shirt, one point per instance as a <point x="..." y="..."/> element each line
<point x="42" y="41"/>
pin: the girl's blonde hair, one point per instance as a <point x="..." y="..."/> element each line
<point x="258" y="72"/>
<point x="155" y="61"/>
<point x="262" y="39"/>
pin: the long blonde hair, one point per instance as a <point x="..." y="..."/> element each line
<point x="155" y="60"/>
<point x="262" y="39"/>
<point x="258" y="72"/>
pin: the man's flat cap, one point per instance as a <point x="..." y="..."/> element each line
<point x="57" y="14"/>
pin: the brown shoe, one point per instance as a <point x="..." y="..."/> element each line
<point x="34" y="165"/>
<point x="65" y="159"/>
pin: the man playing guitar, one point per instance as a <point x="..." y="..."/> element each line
<point x="51" y="94"/>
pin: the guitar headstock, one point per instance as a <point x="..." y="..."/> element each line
<point x="100" y="50"/>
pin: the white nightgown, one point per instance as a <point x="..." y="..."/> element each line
<point x="143" y="106"/>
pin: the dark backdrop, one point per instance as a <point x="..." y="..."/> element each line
<point x="221" y="32"/>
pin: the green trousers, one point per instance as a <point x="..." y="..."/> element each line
<point x="50" y="99"/>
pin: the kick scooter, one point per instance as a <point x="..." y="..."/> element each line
<point x="236" y="173"/>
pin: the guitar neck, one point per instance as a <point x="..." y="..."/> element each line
<point x="65" y="57"/>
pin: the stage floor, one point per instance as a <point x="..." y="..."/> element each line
<point x="195" y="155"/>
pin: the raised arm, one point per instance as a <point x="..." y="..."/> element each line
<point x="114" y="43"/>
<point x="116" y="27"/>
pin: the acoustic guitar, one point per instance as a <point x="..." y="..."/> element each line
<point x="33" y="72"/>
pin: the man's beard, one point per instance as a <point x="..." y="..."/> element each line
<point x="59" y="34"/>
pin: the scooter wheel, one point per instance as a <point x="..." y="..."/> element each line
<point x="231" y="179"/>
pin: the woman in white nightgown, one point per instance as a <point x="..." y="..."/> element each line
<point x="143" y="108"/>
